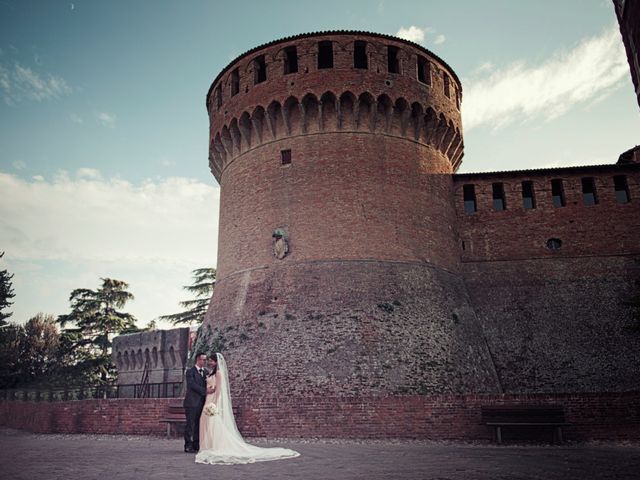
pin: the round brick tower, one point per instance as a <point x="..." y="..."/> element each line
<point x="338" y="254"/>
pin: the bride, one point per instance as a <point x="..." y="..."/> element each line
<point x="220" y="440"/>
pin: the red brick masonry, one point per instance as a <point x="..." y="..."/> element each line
<point x="597" y="416"/>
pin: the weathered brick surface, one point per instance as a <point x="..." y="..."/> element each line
<point x="110" y="416"/>
<point x="389" y="288"/>
<point x="366" y="207"/>
<point x="445" y="417"/>
<point x="555" y="320"/>
<point x="162" y="352"/>
<point x="558" y="324"/>
<point x="349" y="327"/>
<point x="608" y="228"/>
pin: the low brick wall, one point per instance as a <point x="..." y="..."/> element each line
<point x="112" y="416"/>
<point x="605" y="416"/>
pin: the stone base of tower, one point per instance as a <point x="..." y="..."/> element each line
<point x="348" y="328"/>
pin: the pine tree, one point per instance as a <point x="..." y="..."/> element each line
<point x="204" y="280"/>
<point x="96" y="321"/>
<point x="6" y="293"/>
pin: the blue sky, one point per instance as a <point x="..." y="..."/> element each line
<point x="103" y="127"/>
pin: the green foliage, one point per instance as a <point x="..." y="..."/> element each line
<point x="38" y="353"/>
<point x="6" y="293"/>
<point x="209" y="341"/>
<point x="29" y="352"/>
<point x="204" y="280"/>
<point x="89" y="328"/>
<point x="10" y="338"/>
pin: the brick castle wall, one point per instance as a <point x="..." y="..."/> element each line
<point x="389" y="288"/>
<point x="605" y="229"/>
<point x="555" y="320"/>
<point x="349" y="328"/>
<point x="369" y="298"/>
<point x="599" y="416"/>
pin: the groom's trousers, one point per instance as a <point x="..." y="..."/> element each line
<point x="192" y="428"/>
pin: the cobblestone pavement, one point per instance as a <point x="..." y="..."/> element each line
<point x="26" y="455"/>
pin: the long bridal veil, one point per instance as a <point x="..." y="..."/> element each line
<point x="227" y="445"/>
<point x="225" y="408"/>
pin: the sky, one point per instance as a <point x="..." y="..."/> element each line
<point x="104" y="130"/>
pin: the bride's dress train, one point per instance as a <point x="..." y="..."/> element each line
<point x="220" y="440"/>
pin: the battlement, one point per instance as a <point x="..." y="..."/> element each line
<point x="548" y="213"/>
<point x="346" y="240"/>
<point x="161" y="353"/>
<point x="334" y="82"/>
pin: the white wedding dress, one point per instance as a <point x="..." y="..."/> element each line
<point x="220" y="440"/>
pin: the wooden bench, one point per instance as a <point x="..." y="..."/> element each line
<point x="175" y="416"/>
<point x="525" y="416"/>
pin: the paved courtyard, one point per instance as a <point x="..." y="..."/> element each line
<point x="26" y="455"/>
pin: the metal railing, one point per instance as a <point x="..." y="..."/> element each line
<point x="83" y="392"/>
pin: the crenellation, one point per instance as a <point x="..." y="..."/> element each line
<point x="387" y="277"/>
<point x="161" y="353"/>
<point x="348" y="112"/>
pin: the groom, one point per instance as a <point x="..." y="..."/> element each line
<point x="193" y="403"/>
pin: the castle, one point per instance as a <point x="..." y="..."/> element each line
<point x="354" y="262"/>
<point x="400" y="275"/>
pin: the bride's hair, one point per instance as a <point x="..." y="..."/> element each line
<point x="214" y="356"/>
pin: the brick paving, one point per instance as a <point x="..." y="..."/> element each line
<point x="25" y="455"/>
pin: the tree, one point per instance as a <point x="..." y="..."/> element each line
<point x="39" y="348"/>
<point x="10" y="337"/>
<point x="29" y="352"/>
<point x="96" y="321"/>
<point x="204" y="280"/>
<point x="6" y="293"/>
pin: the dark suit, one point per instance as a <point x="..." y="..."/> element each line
<point x="193" y="403"/>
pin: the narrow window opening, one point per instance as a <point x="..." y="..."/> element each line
<point x="290" y="60"/>
<point x="259" y="70"/>
<point x="360" y="59"/>
<point x="457" y="94"/>
<point x="557" y="193"/>
<point x="325" y="55"/>
<point x="235" y="82"/>
<point x="554" y="244"/>
<point x="589" y="196"/>
<point x="285" y="156"/>
<point x="499" y="200"/>
<point x="622" y="189"/>
<point x="424" y="70"/>
<point x="447" y="84"/>
<point x="393" y="63"/>
<point x="528" y="196"/>
<point x="469" y="194"/>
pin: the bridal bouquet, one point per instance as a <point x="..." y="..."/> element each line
<point x="211" y="409"/>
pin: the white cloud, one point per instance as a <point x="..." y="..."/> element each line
<point x="439" y="39"/>
<point x="88" y="174"/>
<point x="67" y="232"/>
<point x="20" y="83"/>
<point x="75" y="118"/>
<point x="19" y="165"/>
<point x="519" y="92"/>
<point x="413" y="34"/>
<point x="106" y="119"/>
<point x="89" y="218"/>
